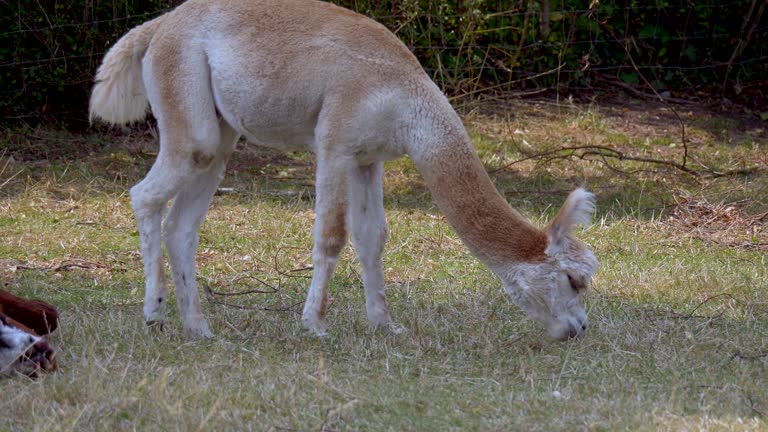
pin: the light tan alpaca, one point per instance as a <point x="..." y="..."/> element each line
<point x="308" y="75"/>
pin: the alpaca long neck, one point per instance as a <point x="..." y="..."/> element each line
<point x="491" y="229"/>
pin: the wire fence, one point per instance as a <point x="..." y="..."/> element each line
<point x="49" y="52"/>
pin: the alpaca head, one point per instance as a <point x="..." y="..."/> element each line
<point x="550" y="290"/>
<point x="23" y="352"/>
<point x="13" y="344"/>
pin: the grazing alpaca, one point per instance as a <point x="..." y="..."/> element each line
<point x="21" y="324"/>
<point x="308" y="75"/>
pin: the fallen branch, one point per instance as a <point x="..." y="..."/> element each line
<point x="582" y="152"/>
<point x="604" y="153"/>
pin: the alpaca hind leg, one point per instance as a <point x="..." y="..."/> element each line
<point x="189" y="143"/>
<point x="182" y="225"/>
<point x="148" y="199"/>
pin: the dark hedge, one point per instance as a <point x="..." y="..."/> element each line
<point x="49" y="50"/>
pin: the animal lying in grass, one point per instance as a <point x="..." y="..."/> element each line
<point x="22" y="322"/>
<point x="308" y="75"/>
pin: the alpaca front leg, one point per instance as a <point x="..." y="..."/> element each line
<point x="330" y="235"/>
<point x="369" y="233"/>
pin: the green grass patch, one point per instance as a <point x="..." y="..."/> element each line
<point x="678" y="308"/>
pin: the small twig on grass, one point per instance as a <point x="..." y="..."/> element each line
<point x="514" y="341"/>
<point x="207" y="418"/>
<point x="753" y="404"/>
<point x="735" y="172"/>
<point x="69" y="266"/>
<point x="210" y="295"/>
<point x="272" y="288"/>
<point x="289" y="308"/>
<point x="9" y="179"/>
<point x="707" y="300"/>
<point x="741" y="356"/>
<point x="288" y="273"/>
<point x="66" y="266"/>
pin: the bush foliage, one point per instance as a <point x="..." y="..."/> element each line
<point x="49" y="50"/>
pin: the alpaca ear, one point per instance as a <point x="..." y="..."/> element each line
<point x="578" y="209"/>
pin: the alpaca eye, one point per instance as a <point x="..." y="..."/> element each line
<point x="575" y="285"/>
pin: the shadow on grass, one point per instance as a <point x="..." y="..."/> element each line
<point x="77" y="164"/>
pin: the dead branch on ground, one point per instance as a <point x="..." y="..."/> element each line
<point x="602" y="152"/>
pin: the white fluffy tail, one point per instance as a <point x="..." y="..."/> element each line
<point x="119" y="96"/>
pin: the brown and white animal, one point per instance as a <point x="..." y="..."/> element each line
<point x="308" y="75"/>
<point x="22" y="322"/>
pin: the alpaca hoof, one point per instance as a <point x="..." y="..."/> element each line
<point x="198" y="330"/>
<point x="395" y="329"/>
<point x="154" y="317"/>
<point x="158" y="325"/>
<point x="316" y="327"/>
<point x="390" y="328"/>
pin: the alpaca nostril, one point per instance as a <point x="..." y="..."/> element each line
<point x="583" y="326"/>
<point x="31" y="340"/>
<point x="573" y="332"/>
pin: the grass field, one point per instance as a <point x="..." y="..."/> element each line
<point x="678" y="309"/>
